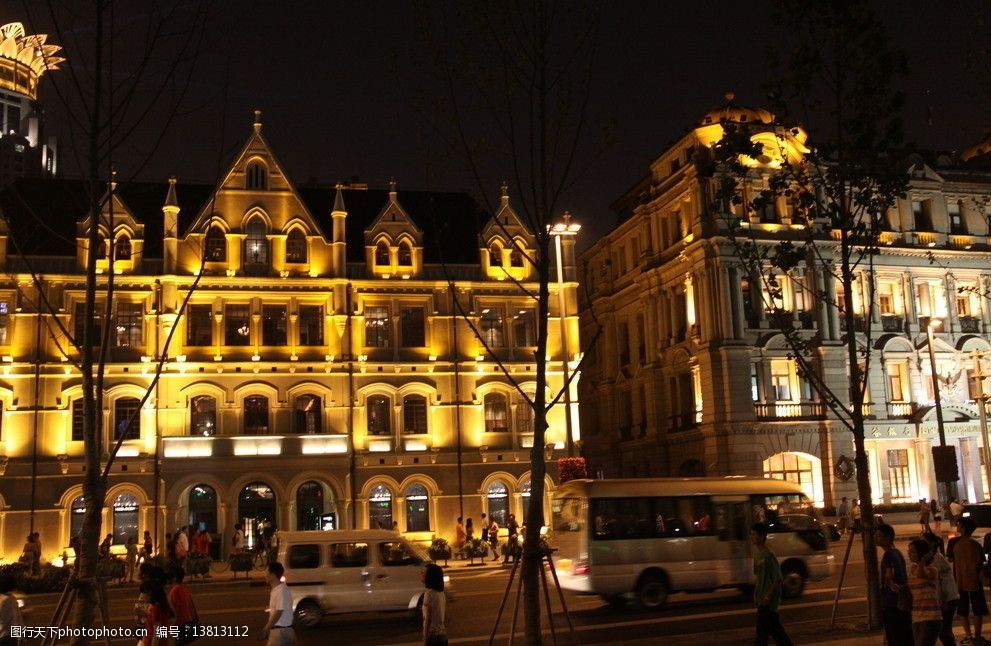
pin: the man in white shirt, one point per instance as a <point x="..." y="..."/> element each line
<point x="238" y="541"/>
<point x="10" y="615"/>
<point x="278" y="631"/>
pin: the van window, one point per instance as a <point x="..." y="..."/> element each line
<point x="784" y="512"/>
<point x="397" y="553"/>
<point x="304" y="557"/>
<point x="630" y="518"/>
<point x="349" y="554"/>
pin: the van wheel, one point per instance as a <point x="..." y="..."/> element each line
<point x="792" y="582"/>
<point x="308" y="615"/>
<point x="652" y="592"/>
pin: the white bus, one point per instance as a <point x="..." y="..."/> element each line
<point x="652" y="536"/>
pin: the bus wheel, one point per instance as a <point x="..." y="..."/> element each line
<point x="652" y="591"/>
<point x="792" y="582"/>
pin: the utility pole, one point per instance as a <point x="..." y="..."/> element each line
<point x="982" y="399"/>
<point x="949" y="488"/>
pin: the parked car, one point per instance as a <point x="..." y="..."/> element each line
<point x="333" y="572"/>
<point x="979" y="512"/>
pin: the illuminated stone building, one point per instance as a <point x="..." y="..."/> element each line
<point x="24" y="149"/>
<point x="320" y="376"/>
<point x="692" y="375"/>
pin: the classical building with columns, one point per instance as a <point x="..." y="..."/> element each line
<point x="692" y="375"/>
<point x="327" y="371"/>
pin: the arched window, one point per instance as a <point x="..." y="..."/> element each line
<point x="256" y="176"/>
<point x="125" y="518"/>
<point x="496" y="413"/>
<point x="801" y="468"/>
<point x="495" y="256"/>
<point x="417" y="509"/>
<point x="256" y="415"/>
<point x="405" y="254"/>
<point x="296" y="250"/>
<point x="378" y="415"/>
<point x="202" y="508"/>
<point x="101" y="249"/>
<point x="515" y="258"/>
<point x="216" y="245"/>
<point x="122" y="248"/>
<point x="256" y="510"/>
<point x="310" y="506"/>
<point x="525" y="498"/>
<point x="76" y="514"/>
<point x="307" y="415"/>
<point x="256" y="245"/>
<point x="415" y="414"/>
<point x="382" y="254"/>
<point x="497" y="496"/>
<point x="127" y="418"/>
<point x="524" y="415"/>
<point x="380" y="508"/>
<point x="203" y="415"/>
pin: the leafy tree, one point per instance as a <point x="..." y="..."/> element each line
<point x="839" y="79"/>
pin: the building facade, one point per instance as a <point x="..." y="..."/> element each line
<point x="693" y="376"/>
<point x="326" y="372"/>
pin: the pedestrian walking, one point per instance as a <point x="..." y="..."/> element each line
<point x="434" y="607"/>
<point x="469" y="530"/>
<point x="895" y="603"/>
<point x="967" y="559"/>
<point x="147" y="546"/>
<point x="955" y="512"/>
<point x="460" y="537"/>
<point x="181" y="546"/>
<point x="513" y="540"/>
<point x="924" y="513"/>
<point x="30" y="555"/>
<point x="494" y="539"/>
<point x="855" y="516"/>
<point x="131" y="557"/>
<point x="923" y="581"/>
<point x="937" y="516"/>
<point x="843" y="515"/>
<point x="948" y="595"/>
<point x="278" y="631"/>
<point x="237" y="541"/>
<point x="767" y="590"/>
<point x="181" y="600"/>
<point x="108" y="541"/>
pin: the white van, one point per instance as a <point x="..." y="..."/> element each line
<point x="333" y="572"/>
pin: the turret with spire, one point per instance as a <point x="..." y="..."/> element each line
<point x="170" y="224"/>
<point x="339" y="215"/>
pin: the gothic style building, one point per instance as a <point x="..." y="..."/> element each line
<point x="326" y="372"/>
<point x="692" y="375"/>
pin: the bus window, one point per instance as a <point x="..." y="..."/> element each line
<point x="567" y="524"/>
<point x="785" y="512"/>
<point x="633" y="518"/>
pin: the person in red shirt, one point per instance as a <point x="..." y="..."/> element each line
<point x="181" y="600"/>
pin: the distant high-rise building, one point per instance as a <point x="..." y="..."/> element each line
<point x="24" y="150"/>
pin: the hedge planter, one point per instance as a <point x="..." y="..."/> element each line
<point x="18" y="577"/>
<point x="197" y="565"/>
<point x="476" y="548"/>
<point x="242" y="562"/>
<point x="111" y="568"/>
<point x="440" y="550"/>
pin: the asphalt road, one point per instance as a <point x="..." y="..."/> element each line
<point x="471" y="616"/>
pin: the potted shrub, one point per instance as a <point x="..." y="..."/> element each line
<point x="476" y="548"/>
<point x="241" y="562"/>
<point x="197" y="564"/>
<point x="440" y="550"/>
<point x="110" y="568"/>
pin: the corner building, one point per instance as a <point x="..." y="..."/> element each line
<point x="692" y="375"/>
<point x="326" y="372"/>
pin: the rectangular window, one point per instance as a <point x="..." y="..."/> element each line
<point x="237" y="325"/>
<point x="525" y="329"/>
<point x="755" y="382"/>
<point x="77" y="420"/>
<point x="199" y="325"/>
<point x="4" y="322"/>
<point x="886" y="298"/>
<point x="349" y="555"/>
<point x="304" y="557"/>
<point x="274" y="331"/>
<point x="781" y="380"/>
<point x="128" y="330"/>
<point x="922" y="212"/>
<point x="492" y="328"/>
<point x="953" y="210"/>
<point x="97" y="324"/>
<point x="378" y="327"/>
<point x="623" y="343"/>
<point x="650" y="517"/>
<point x="898" y="475"/>
<point x="310" y="325"/>
<point x="896" y="381"/>
<point x="413" y="329"/>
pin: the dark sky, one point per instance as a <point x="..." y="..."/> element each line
<point x="335" y="84"/>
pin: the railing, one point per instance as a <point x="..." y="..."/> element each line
<point x="800" y="410"/>
<point x="900" y="409"/>
<point x="223" y="446"/>
<point x="859" y="323"/>
<point x="892" y="323"/>
<point x="970" y="324"/>
<point x="807" y="319"/>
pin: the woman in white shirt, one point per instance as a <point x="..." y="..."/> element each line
<point x="434" y="606"/>
<point x="948" y="594"/>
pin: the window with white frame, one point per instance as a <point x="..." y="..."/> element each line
<point x="127" y="418"/>
<point x="492" y="327"/>
<point x="898" y="381"/>
<point x="296" y="247"/>
<point x="496" y="413"/>
<point x="415" y="415"/>
<point x="379" y="415"/>
<point x="307" y="415"/>
<point x="128" y="324"/>
<point x="782" y="373"/>
<point x="378" y="327"/>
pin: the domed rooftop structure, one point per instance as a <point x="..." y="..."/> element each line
<point x="24" y="58"/>
<point x="979" y="153"/>
<point x="733" y="113"/>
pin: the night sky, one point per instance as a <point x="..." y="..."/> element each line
<point x="335" y="82"/>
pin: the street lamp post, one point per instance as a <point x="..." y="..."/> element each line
<point x="982" y="401"/>
<point x="559" y="229"/>
<point x="949" y="489"/>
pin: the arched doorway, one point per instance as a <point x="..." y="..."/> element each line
<point x="417" y="509"/>
<point x="497" y="495"/>
<point x="256" y="510"/>
<point x="380" y="508"/>
<point x="203" y="508"/>
<point x="76" y="514"/>
<point x="801" y="468"/>
<point x="125" y="510"/>
<point x="315" y="508"/>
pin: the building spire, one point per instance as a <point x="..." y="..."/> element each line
<point x="339" y="200"/>
<point x="170" y="197"/>
<point x="258" y="121"/>
<point x="504" y="196"/>
<point x="392" y="189"/>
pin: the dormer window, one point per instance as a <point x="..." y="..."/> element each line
<point x="256" y="245"/>
<point x="382" y="254"/>
<point x="101" y="249"/>
<point x="256" y="176"/>
<point x="122" y="248"/>
<point x="495" y="256"/>
<point x="515" y="258"/>
<point x="405" y="255"/>
<point x="296" y="246"/>
<point x="216" y="245"/>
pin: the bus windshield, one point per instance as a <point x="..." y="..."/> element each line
<point x="567" y="525"/>
<point x="785" y="512"/>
